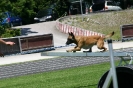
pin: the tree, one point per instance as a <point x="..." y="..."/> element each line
<point x="62" y="7"/>
<point x="25" y="8"/>
<point x="41" y="4"/>
<point x="5" y="5"/>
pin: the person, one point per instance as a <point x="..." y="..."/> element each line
<point x="6" y="43"/>
<point x="98" y="5"/>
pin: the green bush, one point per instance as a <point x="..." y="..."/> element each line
<point x="2" y="30"/>
<point x="11" y="33"/>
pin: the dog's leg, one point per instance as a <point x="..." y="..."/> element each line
<point x="104" y="49"/>
<point x="100" y="45"/>
<point x="1" y="54"/>
<point x="74" y="50"/>
<point x="90" y="50"/>
<point x="75" y="46"/>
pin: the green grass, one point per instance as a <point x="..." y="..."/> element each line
<point x="78" y="77"/>
<point x="102" y="22"/>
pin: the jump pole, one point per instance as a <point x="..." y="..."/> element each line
<point x="112" y="73"/>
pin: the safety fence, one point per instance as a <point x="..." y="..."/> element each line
<point x="28" y="44"/>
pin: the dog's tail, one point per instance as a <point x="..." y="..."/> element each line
<point x="109" y="35"/>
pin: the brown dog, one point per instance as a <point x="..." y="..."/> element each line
<point x="87" y="42"/>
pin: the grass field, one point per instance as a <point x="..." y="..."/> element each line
<point x="78" y="77"/>
<point x="104" y="22"/>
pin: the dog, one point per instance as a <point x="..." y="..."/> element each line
<point x="87" y="42"/>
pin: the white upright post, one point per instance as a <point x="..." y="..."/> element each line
<point x="81" y="6"/>
<point x="81" y="9"/>
<point x="113" y="68"/>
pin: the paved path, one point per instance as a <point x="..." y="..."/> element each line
<point x="37" y="56"/>
<point x="44" y="28"/>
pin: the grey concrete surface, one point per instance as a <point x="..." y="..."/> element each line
<point x="44" y="28"/>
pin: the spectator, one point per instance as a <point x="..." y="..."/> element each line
<point x="98" y="5"/>
<point x="125" y="4"/>
<point x="6" y="43"/>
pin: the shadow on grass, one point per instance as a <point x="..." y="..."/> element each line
<point x="88" y="86"/>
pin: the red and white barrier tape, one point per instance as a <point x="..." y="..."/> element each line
<point x="77" y="31"/>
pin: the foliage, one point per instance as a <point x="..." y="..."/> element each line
<point x="2" y="30"/>
<point x="27" y="9"/>
<point x="5" y="5"/>
<point x="6" y="31"/>
<point x="61" y="7"/>
<point x="11" y="33"/>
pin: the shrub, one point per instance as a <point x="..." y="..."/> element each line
<point x="11" y="33"/>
